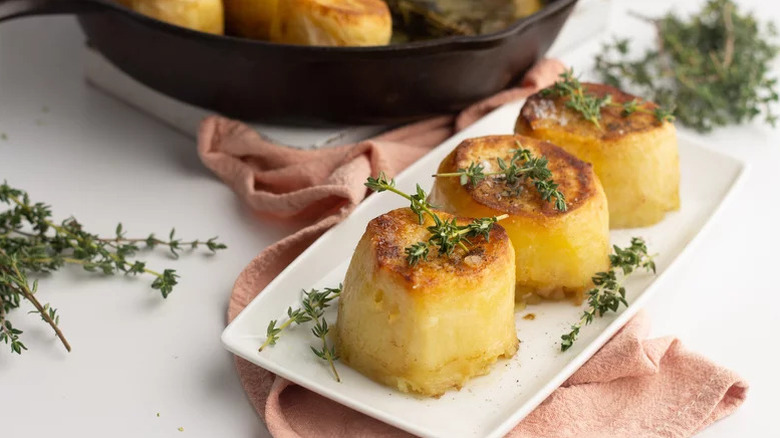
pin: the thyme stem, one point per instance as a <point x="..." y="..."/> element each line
<point x="327" y="353"/>
<point x="81" y="262"/>
<point x="270" y="339"/>
<point x="424" y="206"/>
<point x="22" y="286"/>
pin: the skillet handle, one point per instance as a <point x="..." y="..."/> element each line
<point x="19" y="8"/>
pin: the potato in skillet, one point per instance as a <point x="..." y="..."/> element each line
<point x="202" y="15"/>
<point x="311" y="22"/>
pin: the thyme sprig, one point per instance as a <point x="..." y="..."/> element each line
<point x="522" y="166"/>
<point x="14" y="286"/>
<point x="715" y="65"/>
<point x="313" y="305"/>
<point x="311" y="300"/>
<point x="589" y="105"/>
<point x="609" y="292"/>
<point x="325" y="352"/>
<point x="445" y="234"/>
<point x="32" y="243"/>
<point x="150" y="242"/>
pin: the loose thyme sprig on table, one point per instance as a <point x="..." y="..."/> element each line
<point x="609" y="292"/>
<point x="14" y="286"/>
<point x="716" y="66"/>
<point x="313" y="305"/>
<point x="589" y="105"/>
<point x="446" y="234"/>
<point x="521" y="167"/>
<point x="32" y="243"/>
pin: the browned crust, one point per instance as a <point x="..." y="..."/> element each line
<point x="392" y="232"/>
<point x="353" y="10"/>
<point x="575" y="178"/>
<point x="536" y="114"/>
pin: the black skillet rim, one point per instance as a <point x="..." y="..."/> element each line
<point x="434" y="45"/>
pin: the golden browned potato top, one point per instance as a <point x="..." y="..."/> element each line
<point x="345" y="8"/>
<point x="575" y="178"/>
<point x="551" y="113"/>
<point x="392" y="232"/>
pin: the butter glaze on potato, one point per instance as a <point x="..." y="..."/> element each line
<point x="430" y="327"/>
<point x="635" y="157"/>
<point x="556" y="252"/>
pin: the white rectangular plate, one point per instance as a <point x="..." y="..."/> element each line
<point x="491" y="405"/>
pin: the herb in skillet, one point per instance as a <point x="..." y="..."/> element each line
<point x="589" y="105"/>
<point x="715" y="65"/>
<point x="312" y="308"/>
<point x="609" y="292"/>
<point x="32" y="243"/>
<point x="521" y="167"/>
<point x="445" y="234"/>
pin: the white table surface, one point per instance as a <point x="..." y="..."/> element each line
<point x="135" y="355"/>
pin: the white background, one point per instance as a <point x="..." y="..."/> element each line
<point x="136" y="355"/>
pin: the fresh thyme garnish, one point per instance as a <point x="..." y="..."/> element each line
<point x="446" y="234"/>
<point x="313" y="305"/>
<point x="589" y="105"/>
<point x="715" y="65"/>
<point x="416" y="252"/>
<point x="311" y="300"/>
<point x="609" y="292"/>
<point x="32" y="243"/>
<point x="521" y="167"/>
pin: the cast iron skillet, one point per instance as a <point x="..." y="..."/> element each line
<point x="256" y="80"/>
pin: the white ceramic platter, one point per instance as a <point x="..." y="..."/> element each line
<point x="491" y="405"/>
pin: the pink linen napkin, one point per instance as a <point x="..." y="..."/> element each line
<point x="632" y="387"/>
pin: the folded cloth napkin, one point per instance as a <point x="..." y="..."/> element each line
<point x="632" y="387"/>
